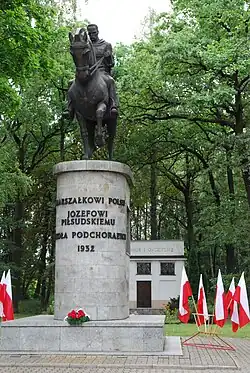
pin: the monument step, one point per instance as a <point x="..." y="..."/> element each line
<point x="137" y="333"/>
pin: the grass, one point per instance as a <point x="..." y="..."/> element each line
<point x="186" y="330"/>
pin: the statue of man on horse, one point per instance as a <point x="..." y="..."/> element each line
<point x="92" y="95"/>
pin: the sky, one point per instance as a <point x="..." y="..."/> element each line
<point x="119" y="20"/>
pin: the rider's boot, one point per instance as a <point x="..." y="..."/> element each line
<point x="113" y="109"/>
<point x="113" y="102"/>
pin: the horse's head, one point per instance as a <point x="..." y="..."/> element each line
<point x="82" y="53"/>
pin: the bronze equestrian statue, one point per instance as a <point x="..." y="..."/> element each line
<point x="92" y="96"/>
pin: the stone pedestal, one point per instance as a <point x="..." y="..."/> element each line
<point x="91" y="271"/>
<point x="92" y="245"/>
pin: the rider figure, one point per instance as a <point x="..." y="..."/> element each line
<point x="104" y="49"/>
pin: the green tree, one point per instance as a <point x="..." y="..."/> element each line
<point x="186" y="88"/>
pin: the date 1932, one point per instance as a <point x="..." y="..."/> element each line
<point x="86" y="248"/>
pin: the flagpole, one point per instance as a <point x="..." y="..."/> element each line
<point x="212" y="323"/>
<point x="196" y="312"/>
<point x="229" y="304"/>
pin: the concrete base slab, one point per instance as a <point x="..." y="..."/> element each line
<point x="137" y="333"/>
<point x="172" y="346"/>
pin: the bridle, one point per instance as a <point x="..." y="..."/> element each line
<point x="92" y="69"/>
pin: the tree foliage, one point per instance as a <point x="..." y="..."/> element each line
<point x="185" y="91"/>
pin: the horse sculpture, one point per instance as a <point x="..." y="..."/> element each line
<point x="89" y="97"/>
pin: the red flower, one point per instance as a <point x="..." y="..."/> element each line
<point x="81" y="313"/>
<point x="72" y="314"/>
<point x="76" y="317"/>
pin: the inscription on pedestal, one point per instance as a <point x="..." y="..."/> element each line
<point x="92" y="218"/>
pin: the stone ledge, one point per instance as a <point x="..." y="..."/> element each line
<point x="147" y="321"/>
<point x="43" y="333"/>
<point x="98" y="166"/>
<point x="172" y="347"/>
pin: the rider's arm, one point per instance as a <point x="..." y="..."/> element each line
<point x="108" y="54"/>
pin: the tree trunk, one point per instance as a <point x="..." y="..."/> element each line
<point x="41" y="270"/>
<point x="189" y="215"/>
<point x="17" y="254"/>
<point x="246" y="179"/>
<point x="239" y="126"/>
<point x="153" y="197"/>
<point x="192" y="254"/>
<point x="48" y="292"/>
<point x="140" y="222"/>
<point x="50" y="284"/>
<point x="62" y="140"/>
<point x="230" y="250"/>
<point x="146" y="222"/>
<point x="137" y="222"/>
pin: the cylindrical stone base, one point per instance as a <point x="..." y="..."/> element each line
<point x="92" y="239"/>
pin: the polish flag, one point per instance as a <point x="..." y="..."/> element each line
<point x="240" y="296"/>
<point x="229" y="297"/>
<point x="185" y="292"/>
<point x="202" y="316"/>
<point x="2" y="297"/>
<point x="7" y="306"/>
<point x="220" y="303"/>
<point x="233" y="307"/>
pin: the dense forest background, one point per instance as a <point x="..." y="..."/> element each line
<point x="183" y="129"/>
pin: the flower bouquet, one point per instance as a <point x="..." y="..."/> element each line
<point x="76" y="317"/>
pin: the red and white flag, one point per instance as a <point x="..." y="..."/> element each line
<point x="229" y="297"/>
<point x="240" y="296"/>
<point x="185" y="292"/>
<point x="220" y="303"/>
<point x="2" y="297"/>
<point x="7" y="306"/>
<point x="233" y="306"/>
<point x="202" y="310"/>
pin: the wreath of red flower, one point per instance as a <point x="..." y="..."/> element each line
<point x="77" y="317"/>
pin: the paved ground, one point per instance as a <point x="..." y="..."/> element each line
<point x="193" y="359"/>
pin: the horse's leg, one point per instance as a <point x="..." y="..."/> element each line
<point x="100" y="111"/>
<point x="84" y="134"/>
<point x="112" y="123"/>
